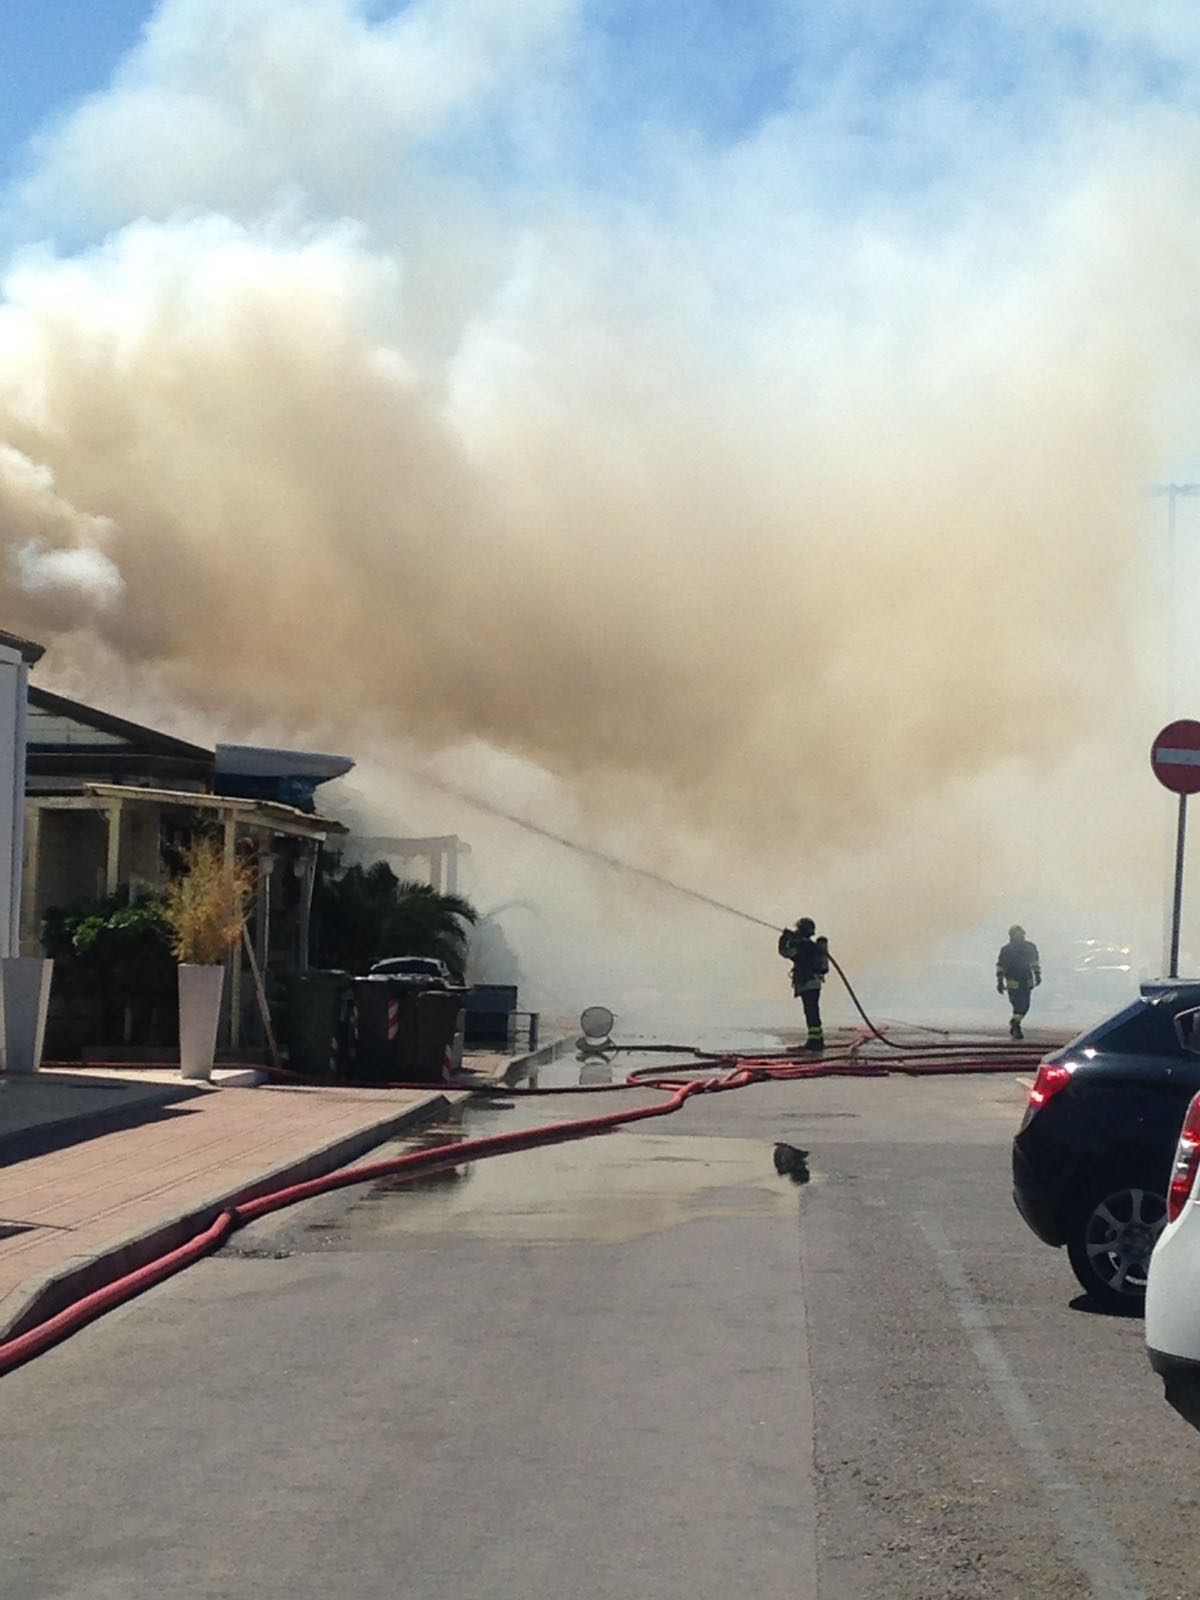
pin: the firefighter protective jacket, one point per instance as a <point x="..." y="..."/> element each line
<point x="1018" y="964"/>
<point x="810" y="961"/>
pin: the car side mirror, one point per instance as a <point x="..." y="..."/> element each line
<point x="1187" y="1030"/>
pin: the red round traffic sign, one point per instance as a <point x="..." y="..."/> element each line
<point x="1175" y="757"/>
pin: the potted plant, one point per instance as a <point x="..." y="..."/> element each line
<point x="206" y="909"/>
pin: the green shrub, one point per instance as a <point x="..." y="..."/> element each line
<point x="113" y="963"/>
<point x="365" y="914"/>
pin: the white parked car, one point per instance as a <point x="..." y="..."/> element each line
<point x="1173" y="1283"/>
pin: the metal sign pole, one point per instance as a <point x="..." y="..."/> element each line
<point x="1177" y="908"/>
<point x="1175" y="761"/>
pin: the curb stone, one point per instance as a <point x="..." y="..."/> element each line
<point x="521" y="1065"/>
<point x="42" y="1297"/>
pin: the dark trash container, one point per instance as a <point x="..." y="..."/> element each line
<point x="490" y="1014"/>
<point x="404" y="1026"/>
<point x="318" y="1015"/>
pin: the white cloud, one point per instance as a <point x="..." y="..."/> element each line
<point x="235" y="104"/>
<point x="86" y="574"/>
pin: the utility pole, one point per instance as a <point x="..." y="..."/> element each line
<point x="1173" y="493"/>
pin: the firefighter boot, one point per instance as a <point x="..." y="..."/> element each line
<point x="816" y="1040"/>
<point x="1014" y="1028"/>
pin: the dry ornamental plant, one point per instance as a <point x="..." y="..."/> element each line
<point x="206" y="905"/>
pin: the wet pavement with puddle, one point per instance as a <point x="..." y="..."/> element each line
<point x="611" y="1188"/>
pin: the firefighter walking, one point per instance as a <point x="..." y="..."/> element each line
<point x="1018" y="973"/>
<point x="810" y="964"/>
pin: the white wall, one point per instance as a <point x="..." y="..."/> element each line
<point x="14" y="688"/>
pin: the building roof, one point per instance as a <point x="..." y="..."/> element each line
<point x="262" y="813"/>
<point x="263" y="761"/>
<point x="121" y="731"/>
<point x="76" y="752"/>
<point x="288" y="777"/>
<point x="25" y="648"/>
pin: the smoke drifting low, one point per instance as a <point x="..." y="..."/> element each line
<point x="784" y="531"/>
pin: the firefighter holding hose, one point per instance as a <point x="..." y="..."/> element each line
<point x="1018" y="973"/>
<point x="809" y="956"/>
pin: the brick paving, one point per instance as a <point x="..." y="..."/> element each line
<point x="79" y="1199"/>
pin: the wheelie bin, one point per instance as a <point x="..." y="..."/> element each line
<point x="318" y="1014"/>
<point x="405" y="1025"/>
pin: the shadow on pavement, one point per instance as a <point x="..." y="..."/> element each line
<point x="1181" y="1391"/>
<point x="1085" y="1303"/>
<point x="22" y="1144"/>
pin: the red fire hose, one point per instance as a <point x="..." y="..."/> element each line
<point x="732" y="1072"/>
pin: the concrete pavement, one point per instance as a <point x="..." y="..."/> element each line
<point x="99" y="1175"/>
<point x="540" y="1405"/>
<point x="698" y="1380"/>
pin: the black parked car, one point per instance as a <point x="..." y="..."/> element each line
<point x="1093" y="1155"/>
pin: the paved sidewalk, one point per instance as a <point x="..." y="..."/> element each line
<point x="96" y="1206"/>
<point x="76" y="1104"/>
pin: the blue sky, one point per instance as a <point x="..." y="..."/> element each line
<point x="699" y="62"/>
<point x="55" y="51"/>
<point x="709" y="69"/>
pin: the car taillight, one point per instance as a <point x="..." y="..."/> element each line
<point x="1051" y="1079"/>
<point x="1187" y="1161"/>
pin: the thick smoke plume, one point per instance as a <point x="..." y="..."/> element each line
<point x="790" y="521"/>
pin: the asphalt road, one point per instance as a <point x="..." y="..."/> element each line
<point x="642" y="1366"/>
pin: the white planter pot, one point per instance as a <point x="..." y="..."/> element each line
<point x="24" y="999"/>
<point x="199" y="1016"/>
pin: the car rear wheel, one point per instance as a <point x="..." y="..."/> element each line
<point x="1111" y="1242"/>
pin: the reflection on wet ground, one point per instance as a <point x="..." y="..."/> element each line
<point x="617" y="1186"/>
<point x="595" y="1066"/>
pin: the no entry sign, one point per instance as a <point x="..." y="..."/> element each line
<point x="1175" y="757"/>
